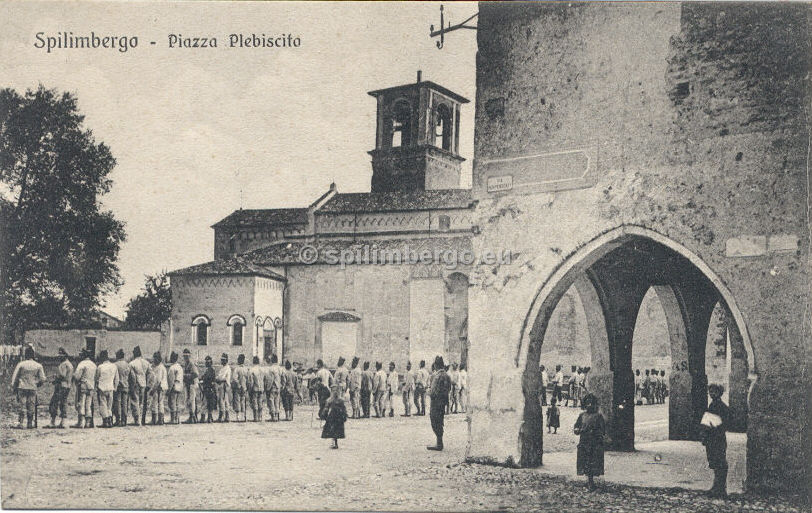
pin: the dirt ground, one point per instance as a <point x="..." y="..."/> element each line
<point x="381" y="465"/>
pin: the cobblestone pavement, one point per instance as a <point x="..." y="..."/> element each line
<point x="381" y="465"/>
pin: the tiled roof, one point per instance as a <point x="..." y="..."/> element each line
<point x="397" y="201"/>
<point x="290" y="253"/>
<point x="238" y="266"/>
<point x="265" y="217"/>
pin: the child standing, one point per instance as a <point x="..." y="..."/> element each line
<point x="553" y="417"/>
<point x="591" y="427"/>
<point x="335" y="416"/>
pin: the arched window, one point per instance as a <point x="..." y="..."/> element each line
<point x="236" y="324"/>
<point x="200" y="330"/>
<point x="442" y="127"/>
<point x="401" y="123"/>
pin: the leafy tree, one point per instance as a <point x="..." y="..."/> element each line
<point x="59" y="248"/>
<point x="153" y="306"/>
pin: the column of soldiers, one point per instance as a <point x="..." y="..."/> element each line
<point x="651" y="386"/>
<point x="127" y="392"/>
<point x="375" y="393"/>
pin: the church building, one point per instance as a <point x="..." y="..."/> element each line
<point x="382" y="275"/>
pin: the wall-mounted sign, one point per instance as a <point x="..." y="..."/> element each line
<point x="500" y="183"/>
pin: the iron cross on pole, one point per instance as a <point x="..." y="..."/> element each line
<point x="450" y="28"/>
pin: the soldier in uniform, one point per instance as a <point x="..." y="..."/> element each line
<point x="174" y="388"/>
<point x="366" y="389"/>
<point x="62" y="384"/>
<point x="121" y="397"/>
<point x="355" y="388"/>
<point x="406" y="391"/>
<point x="106" y="385"/>
<point x="239" y="382"/>
<point x="138" y="385"/>
<point x="28" y="376"/>
<point x="273" y="387"/>
<point x="342" y="376"/>
<point x="256" y="385"/>
<point x="207" y="383"/>
<point x="392" y="385"/>
<point x="191" y="378"/>
<point x="439" y="386"/>
<point x="158" y="386"/>
<point x="290" y="388"/>
<point x="421" y="381"/>
<point x="223" y="384"/>
<point x="379" y="391"/>
<point x="85" y="378"/>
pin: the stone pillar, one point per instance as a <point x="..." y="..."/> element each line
<point x="738" y="380"/>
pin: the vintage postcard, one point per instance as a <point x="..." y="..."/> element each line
<point x="405" y="256"/>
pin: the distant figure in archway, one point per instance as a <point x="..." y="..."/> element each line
<point x="714" y="424"/>
<point x="591" y="427"/>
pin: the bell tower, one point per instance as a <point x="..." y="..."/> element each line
<point x="417" y="138"/>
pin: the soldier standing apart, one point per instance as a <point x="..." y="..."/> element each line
<point x="122" y="394"/>
<point x="463" y="393"/>
<point x="85" y="378"/>
<point x="290" y="388"/>
<point x="174" y="378"/>
<point x="454" y="375"/>
<point x="256" y="380"/>
<point x="158" y="387"/>
<point x="239" y="384"/>
<point x="392" y="385"/>
<point x="207" y="383"/>
<point x="107" y="384"/>
<point x="439" y="386"/>
<point x="62" y="384"/>
<point x="407" y="390"/>
<point x="138" y="385"/>
<point x="274" y="388"/>
<point x="366" y="389"/>
<point x="421" y="381"/>
<point x="28" y="376"/>
<point x="379" y="391"/>
<point x="714" y="425"/>
<point x="342" y="376"/>
<point x="191" y="378"/>
<point x="223" y="384"/>
<point x="355" y="388"/>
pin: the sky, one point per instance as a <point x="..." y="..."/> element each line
<point x="200" y="132"/>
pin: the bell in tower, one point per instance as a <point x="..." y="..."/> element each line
<point x="417" y="140"/>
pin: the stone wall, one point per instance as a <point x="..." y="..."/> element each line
<point x="378" y="295"/>
<point x="684" y="121"/>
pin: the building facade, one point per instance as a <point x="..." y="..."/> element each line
<point x="382" y="275"/>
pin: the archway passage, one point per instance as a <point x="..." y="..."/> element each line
<point x="612" y="276"/>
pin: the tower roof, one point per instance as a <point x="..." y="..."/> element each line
<point x="417" y="85"/>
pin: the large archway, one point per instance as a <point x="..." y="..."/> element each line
<point x="612" y="274"/>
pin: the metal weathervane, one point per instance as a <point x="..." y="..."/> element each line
<point x="450" y="28"/>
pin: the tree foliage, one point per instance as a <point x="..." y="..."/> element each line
<point x="59" y="248"/>
<point x="152" y="307"/>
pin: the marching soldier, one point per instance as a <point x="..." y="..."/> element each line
<point x="158" y="387"/>
<point x="408" y="388"/>
<point x="366" y="389"/>
<point x="290" y="387"/>
<point x="392" y="385"/>
<point x="421" y="381"/>
<point x="355" y="388"/>
<point x="239" y="383"/>
<point x="106" y="385"/>
<point x="273" y="388"/>
<point x="379" y="391"/>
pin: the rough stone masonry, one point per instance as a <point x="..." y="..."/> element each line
<point x="620" y="147"/>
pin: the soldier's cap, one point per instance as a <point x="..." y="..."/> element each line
<point x="224" y="356"/>
<point x="120" y="353"/>
<point x="207" y="358"/>
<point x="62" y="351"/>
<point x="137" y="351"/>
<point x="186" y="351"/>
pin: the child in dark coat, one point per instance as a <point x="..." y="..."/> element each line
<point x="591" y="427"/>
<point x="335" y="416"/>
<point x="553" y="417"/>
